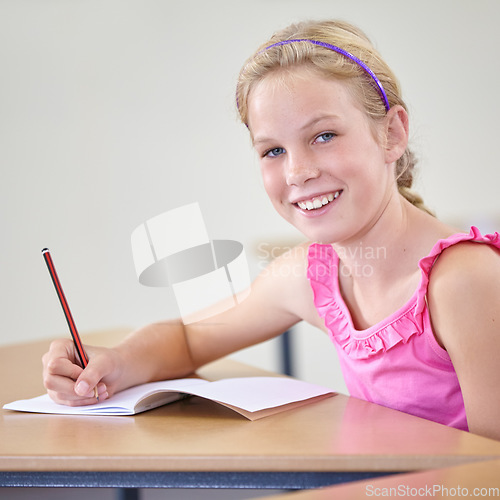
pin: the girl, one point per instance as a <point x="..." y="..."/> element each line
<point x="411" y="305"/>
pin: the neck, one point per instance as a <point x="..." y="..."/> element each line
<point x="376" y="254"/>
<point x="379" y="271"/>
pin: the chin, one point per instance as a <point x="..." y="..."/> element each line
<point x="326" y="234"/>
<point x="315" y="235"/>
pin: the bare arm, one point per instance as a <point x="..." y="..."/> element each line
<point x="464" y="301"/>
<point x="279" y="298"/>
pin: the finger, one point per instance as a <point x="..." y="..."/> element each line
<point x="67" y="382"/>
<point x="64" y="393"/>
<point x="62" y="390"/>
<point x="89" y="380"/>
<point x="62" y="377"/>
<point x="60" y="371"/>
<point x="72" y="399"/>
<point x="61" y="385"/>
<point x="65" y="399"/>
<point x="99" y="368"/>
<point x="60" y="360"/>
<point x="63" y="367"/>
<point x="61" y="348"/>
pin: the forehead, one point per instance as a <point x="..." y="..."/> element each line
<point x="290" y="79"/>
<point x="298" y="91"/>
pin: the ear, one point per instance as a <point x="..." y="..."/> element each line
<point x="397" y="128"/>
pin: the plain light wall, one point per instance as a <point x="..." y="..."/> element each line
<point x="113" y="111"/>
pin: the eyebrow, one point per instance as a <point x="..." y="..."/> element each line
<point x="318" y="119"/>
<point x="308" y="124"/>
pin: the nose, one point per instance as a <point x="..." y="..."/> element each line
<point x="299" y="168"/>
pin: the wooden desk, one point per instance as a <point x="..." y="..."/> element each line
<point x="196" y="443"/>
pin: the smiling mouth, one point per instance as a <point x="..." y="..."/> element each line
<point x="318" y="201"/>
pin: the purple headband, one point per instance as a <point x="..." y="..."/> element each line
<point x="345" y="54"/>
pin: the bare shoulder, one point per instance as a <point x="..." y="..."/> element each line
<point x="287" y="275"/>
<point x="290" y="267"/>
<point x="464" y="282"/>
<point x="466" y="269"/>
<point x="464" y="305"/>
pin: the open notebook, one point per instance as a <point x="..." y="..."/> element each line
<point x="252" y="397"/>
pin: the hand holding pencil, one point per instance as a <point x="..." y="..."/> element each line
<point x="158" y="351"/>
<point x="82" y="355"/>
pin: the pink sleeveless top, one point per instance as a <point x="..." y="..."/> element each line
<point x="397" y="362"/>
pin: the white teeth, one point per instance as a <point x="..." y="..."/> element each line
<point x="318" y="202"/>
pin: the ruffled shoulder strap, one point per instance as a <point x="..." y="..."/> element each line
<point x="322" y="273"/>
<point x="428" y="262"/>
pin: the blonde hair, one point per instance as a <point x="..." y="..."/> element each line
<point x="267" y="60"/>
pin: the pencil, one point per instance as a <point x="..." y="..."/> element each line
<point x="84" y="360"/>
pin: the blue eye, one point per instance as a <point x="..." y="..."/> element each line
<point x="325" y="137"/>
<point x="273" y="153"/>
